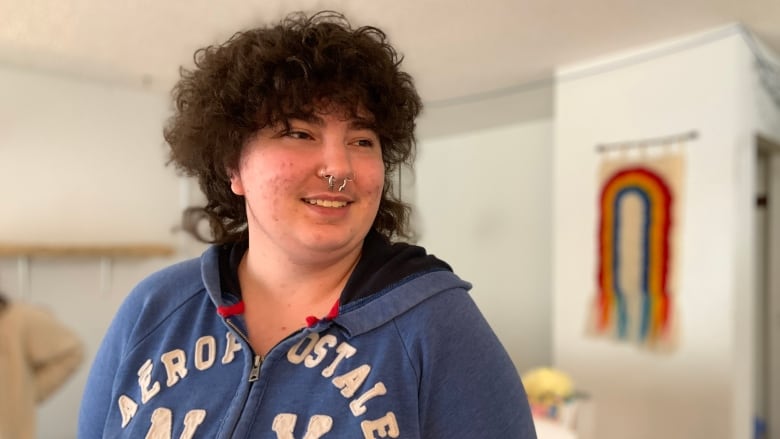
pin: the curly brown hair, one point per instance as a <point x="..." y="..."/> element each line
<point x="269" y="75"/>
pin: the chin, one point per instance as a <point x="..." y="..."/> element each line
<point x="333" y="241"/>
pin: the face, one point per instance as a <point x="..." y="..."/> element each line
<point x="290" y="207"/>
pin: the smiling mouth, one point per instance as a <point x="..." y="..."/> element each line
<point x="326" y="203"/>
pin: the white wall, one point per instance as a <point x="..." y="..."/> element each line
<point x="483" y="204"/>
<point x="82" y="163"/>
<point x="703" y="389"/>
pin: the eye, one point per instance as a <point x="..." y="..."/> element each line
<point x="297" y="134"/>
<point x="366" y="143"/>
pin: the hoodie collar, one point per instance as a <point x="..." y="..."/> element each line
<point x="382" y="266"/>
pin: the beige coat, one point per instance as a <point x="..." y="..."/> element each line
<point x="37" y="355"/>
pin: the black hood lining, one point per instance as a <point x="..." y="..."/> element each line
<point x="381" y="265"/>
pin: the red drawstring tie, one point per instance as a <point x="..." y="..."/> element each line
<point x="332" y="314"/>
<point x="231" y="310"/>
<point x="238" y="308"/>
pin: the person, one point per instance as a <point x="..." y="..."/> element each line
<point x="38" y="354"/>
<point x="308" y="317"/>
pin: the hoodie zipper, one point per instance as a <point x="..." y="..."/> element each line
<point x="254" y="374"/>
<point x="257" y="362"/>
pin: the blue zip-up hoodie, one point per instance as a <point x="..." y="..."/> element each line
<point x="406" y="355"/>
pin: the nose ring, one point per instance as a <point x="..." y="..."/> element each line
<point x="332" y="182"/>
<point x="344" y="184"/>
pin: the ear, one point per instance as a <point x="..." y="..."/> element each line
<point x="236" y="185"/>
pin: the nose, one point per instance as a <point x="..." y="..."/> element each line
<point x="336" y="158"/>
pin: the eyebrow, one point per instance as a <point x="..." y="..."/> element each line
<point x="361" y="123"/>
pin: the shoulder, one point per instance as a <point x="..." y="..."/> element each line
<point x="455" y="352"/>
<point x="446" y="318"/>
<point x="448" y="300"/>
<point x="158" y="296"/>
<point x="449" y="329"/>
<point x="399" y="300"/>
<point x="171" y="284"/>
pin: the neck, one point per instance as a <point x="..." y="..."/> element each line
<point x="295" y="282"/>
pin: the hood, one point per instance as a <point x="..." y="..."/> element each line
<point x="389" y="279"/>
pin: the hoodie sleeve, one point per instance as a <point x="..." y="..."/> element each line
<point x="54" y="351"/>
<point x="469" y="387"/>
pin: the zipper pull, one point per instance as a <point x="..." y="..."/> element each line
<point x="255" y="373"/>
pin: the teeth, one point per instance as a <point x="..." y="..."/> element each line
<point x="327" y="203"/>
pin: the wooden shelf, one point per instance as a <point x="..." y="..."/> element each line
<point x="78" y="250"/>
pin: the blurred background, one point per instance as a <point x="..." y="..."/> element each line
<point x="518" y="95"/>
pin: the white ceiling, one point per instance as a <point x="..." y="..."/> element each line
<point x="454" y="48"/>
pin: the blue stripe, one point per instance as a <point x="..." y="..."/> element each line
<point x="616" y="261"/>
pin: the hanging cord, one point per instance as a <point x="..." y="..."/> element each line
<point x="643" y="143"/>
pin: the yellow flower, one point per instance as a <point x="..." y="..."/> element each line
<point x="547" y="386"/>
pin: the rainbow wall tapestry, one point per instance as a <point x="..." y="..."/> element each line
<point x="638" y="206"/>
